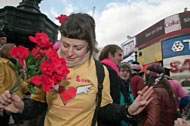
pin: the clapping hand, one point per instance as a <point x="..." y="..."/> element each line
<point x="182" y="122"/>
<point x="141" y="101"/>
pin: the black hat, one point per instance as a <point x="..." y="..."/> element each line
<point x="2" y="34"/>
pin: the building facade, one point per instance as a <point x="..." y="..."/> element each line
<point x="166" y="42"/>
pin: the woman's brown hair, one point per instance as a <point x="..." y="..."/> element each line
<point x="5" y="50"/>
<point x="80" y="26"/>
<point x="151" y="77"/>
<point x="112" y="49"/>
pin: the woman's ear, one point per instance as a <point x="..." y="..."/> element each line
<point x="110" y="56"/>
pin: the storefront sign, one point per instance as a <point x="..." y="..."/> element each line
<point x="177" y="46"/>
<point x="160" y="29"/>
<point x="185" y="19"/>
<point x="172" y="23"/>
<point x="128" y="47"/>
<point x="151" y="54"/>
<point x="179" y="65"/>
<point x="151" y="33"/>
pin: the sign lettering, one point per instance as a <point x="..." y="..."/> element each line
<point x="178" y="66"/>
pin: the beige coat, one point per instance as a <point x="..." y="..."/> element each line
<point x="8" y="76"/>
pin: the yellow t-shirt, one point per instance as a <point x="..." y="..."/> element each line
<point x="78" y="102"/>
<point x="8" y="76"/>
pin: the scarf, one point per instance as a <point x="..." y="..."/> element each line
<point x="111" y="64"/>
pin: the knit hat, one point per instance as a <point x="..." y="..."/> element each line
<point x="2" y="34"/>
<point x="155" y="67"/>
<point x="135" y="68"/>
<point x="154" y="73"/>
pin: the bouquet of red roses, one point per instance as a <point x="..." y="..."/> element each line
<point x="40" y="67"/>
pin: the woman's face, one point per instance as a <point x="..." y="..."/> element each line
<point x="73" y="50"/>
<point x="124" y="73"/>
<point x="117" y="57"/>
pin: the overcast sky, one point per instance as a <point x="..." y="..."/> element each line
<point x="115" y="19"/>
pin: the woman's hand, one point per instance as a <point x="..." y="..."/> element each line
<point x="11" y="102"/>
<point x="182" y="122"/>
<point x="141" y="101"/>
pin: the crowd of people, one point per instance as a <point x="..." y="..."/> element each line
<point x="129" y="96"/>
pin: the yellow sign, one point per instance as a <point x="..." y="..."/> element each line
<point x="150" y="54"/>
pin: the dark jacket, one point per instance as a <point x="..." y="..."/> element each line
<point x="125" y="89"/>
<point x="115" y="82"/>
<point x="161" y="111"/>
<point x="115" y="85"/>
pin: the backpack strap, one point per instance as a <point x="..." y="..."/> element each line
<point x="100" y="76"/>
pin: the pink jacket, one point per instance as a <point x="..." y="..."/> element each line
<point x="178" y="89"/>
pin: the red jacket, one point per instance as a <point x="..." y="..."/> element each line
<point x="161" y="111"/>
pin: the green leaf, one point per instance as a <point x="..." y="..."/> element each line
<point x="31" y="88"/>
<point x="16" y="85"/>
<point x="12" y="65"/>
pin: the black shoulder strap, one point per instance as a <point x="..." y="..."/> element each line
<point x="100" y="76"/>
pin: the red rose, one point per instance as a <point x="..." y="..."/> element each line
<point x="62" y="18"/>
<point x="42" y="40"/>
<point x="35" y="52"/>
<point x="60" y="67"/>
<point x="36" y="80"/>
<point x="47" y="67"/>
<point x="47" y="82"/>
<point x="20" y="53"/>
<point x="52" y="53"/>
<point x="43" y="68"/>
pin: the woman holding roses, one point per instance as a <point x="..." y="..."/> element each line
<point x="73" y="102"/>
<point x="8" y="76"/>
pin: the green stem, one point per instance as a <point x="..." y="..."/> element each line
<point x="16" y="85"/>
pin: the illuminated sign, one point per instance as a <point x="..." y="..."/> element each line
<point x="177" y="46"/>
<point x="128" y="47"/>
<point x="172" y="23"/>
<point x="179" y="66"/>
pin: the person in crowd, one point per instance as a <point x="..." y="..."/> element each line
<point x="125" y="74"/>
<point x="185" y="106"/>
<point x="125" y="90"/>
<point x="3" y="38"/>
<point x="111" y="56"/>
<point x="8" y="76"/>
<point x="177" y="87"/>
<point x="162" y="109"/>
<point x="77" y="47"/>
<point x="136" y="80"/>
<point x="179" y="92"/>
